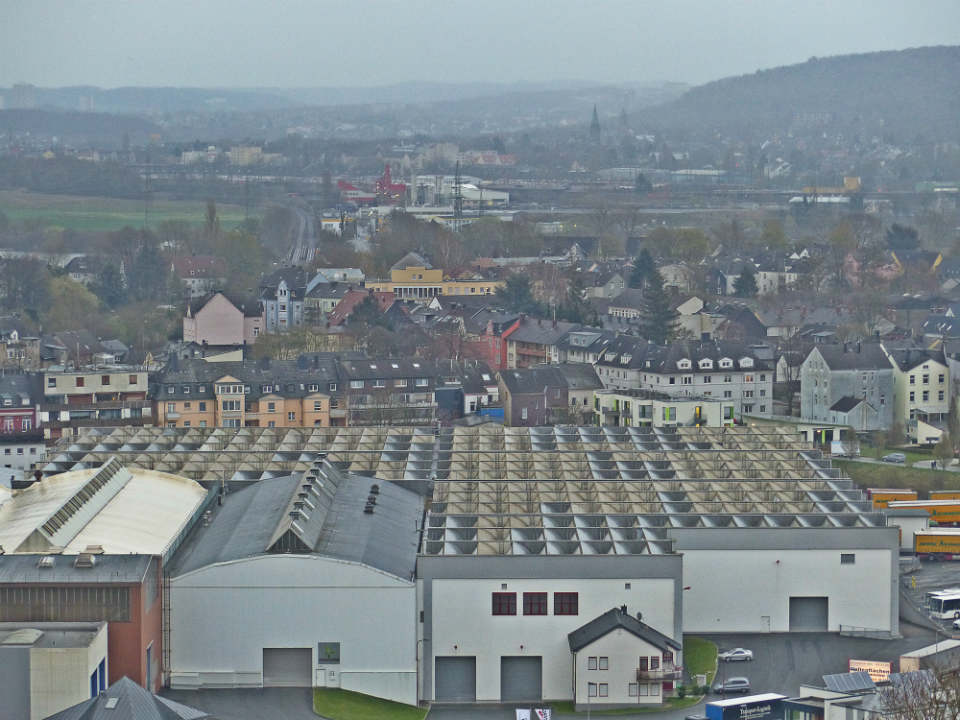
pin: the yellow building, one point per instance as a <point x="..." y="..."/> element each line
<point x="413" y="278"/>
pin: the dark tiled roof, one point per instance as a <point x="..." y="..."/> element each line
<point x="290" y="378"/>
<point x="866" y="356"/>
<point x="127" y="700"/>
<point x="617" y="619"/>
<point x="542" y="332"/>
<point x="846" y="404"/>
<point x="248" y="305"/>
<point x="412" y="259"/>
<point x="533" y="380"/>
<point x="908" y="358"/>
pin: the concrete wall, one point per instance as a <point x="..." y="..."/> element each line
<point x="622" y="649"/>
<point x="297" y="601"/>
<point x="739" y="578"/>
<point x="15" y="671"/>
<point x="463" y="623"/>
<point x="60" y="677"/>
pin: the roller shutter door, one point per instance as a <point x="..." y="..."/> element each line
<point x="808" y="614"/>
<point x="521" y="678"/>
<point x="287" y="667"/>
<point x="455" y="679"/>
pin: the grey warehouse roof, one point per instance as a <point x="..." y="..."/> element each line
<point x="119" y="569"/>
<point x="319" y="512"/>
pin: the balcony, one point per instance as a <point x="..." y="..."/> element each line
<point x="667" y="671"/>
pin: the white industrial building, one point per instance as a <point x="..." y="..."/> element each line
<point x="531" y="537"/>
<point x="301" y="580"/>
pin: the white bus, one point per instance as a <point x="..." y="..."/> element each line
<point x="944" y="605"/>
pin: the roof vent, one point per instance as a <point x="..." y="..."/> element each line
<point x="368" y="509"/>
<point x="371" y="499"/>
<point x="111" y="703"/>
<point x="94" y="549"/>
<point x="45" y="562"/>
<point x="84" y="560"/>
<point x="374" y="489"/>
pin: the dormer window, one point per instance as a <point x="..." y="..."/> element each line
<point x="726" y="363"/>
<point x="746" y="362"/>
<point x="625" y="360"/>
<point x="683" y="364"/>
<point x="705" y="364"/>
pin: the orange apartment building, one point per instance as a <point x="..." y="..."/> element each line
<point x="196" y="393"/>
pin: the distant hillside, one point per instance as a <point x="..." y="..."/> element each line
<point x="902" y="95"/>
<point x="78" y="127"/>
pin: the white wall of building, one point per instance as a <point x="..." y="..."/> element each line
<point x="60" y="676"/>
<point x="733" y="591"/>
<point x="622" y="650"/>
<point x="463" y="623"/>
<point x="222" y="616"/>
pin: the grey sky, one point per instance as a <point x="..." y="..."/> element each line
<point x="292" y="43"/>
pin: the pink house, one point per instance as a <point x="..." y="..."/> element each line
<point x="219" y="320"/>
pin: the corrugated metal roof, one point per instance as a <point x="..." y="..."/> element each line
<point x="140" y="512"/>
<point x="117" y="569"/>
<point x="125" y="699"/>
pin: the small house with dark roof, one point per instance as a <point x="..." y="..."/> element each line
<point x="312" y="579"/>
<point x="620" y="661"/>
<point x="855" y="412"/>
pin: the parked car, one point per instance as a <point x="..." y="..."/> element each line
<point x="732" y="685"/>
<point x="898" y="458"/>
<point x="736" y="655"/>
<point x="696" y="717"/>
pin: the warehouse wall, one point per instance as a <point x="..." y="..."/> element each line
<point x="738" y="577"/>
<point x="222" y="617"/>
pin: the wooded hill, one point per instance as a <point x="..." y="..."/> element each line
<point x="903" y="96"/>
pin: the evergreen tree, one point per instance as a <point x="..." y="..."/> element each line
<point x="517" y="294"/>
<point x="595" y="125"/>
<point x="746" y="284"/>
<point x="641" y="184"/>
<point x="659" y="322"/>
<point x="110" y="287"/>
<point x="643" y="269"/>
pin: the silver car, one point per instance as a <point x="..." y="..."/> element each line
<point x="736" y="655"/>
<point x="732" y="685"/>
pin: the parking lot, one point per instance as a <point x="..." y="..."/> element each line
<point x="930" y="576"/>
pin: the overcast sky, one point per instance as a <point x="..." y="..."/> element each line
<point x="296" y="43"/>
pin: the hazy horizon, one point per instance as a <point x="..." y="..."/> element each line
<point x="302" y="44"/>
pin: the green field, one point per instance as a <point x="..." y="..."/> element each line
<point x="98" y="214"/>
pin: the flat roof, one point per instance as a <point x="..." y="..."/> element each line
<point x="763" y="697"/>
<point x="51" y="634"/>
<point x="61" y="570"/>
<point x="937" y="647"/>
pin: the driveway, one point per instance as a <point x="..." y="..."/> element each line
<point x="249" y="704"/>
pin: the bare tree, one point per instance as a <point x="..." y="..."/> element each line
<point x="923" y="695"/>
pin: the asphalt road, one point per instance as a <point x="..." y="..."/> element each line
<point x="249" y="704"/>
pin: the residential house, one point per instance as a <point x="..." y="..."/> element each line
<point x="282" y="297"/>
<point x="18" y="349"/>
<point x="536" y="341"/>
<point x="219" y="320"/>
<point x="387" y="391"/>
<point x="322" y="298"/>
<point x="833" y="378"/>
<point x="465" y="389"/>
<point x="199" y="274"/>
<point x="607" y="283"/>
<point x="921" y="391"/>
<point x="548" y="394"/>
<point x="679" y="277"/>
<point x="342" y="311"/>
<point x="703" y="368"/>
<point x="93" y="396"/>
<point x="487" y="333"/>
<point x="584" y="345"/>
<point x="21" y="439"/>
<point x="267" y="393"/>
<point x="646" y="408"/>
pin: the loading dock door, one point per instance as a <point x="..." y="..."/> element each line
<point x="287" y="667"/>
<point x="808" y="614"/>
<point x="521" y="678"/>
<point x="455" y="679"/>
